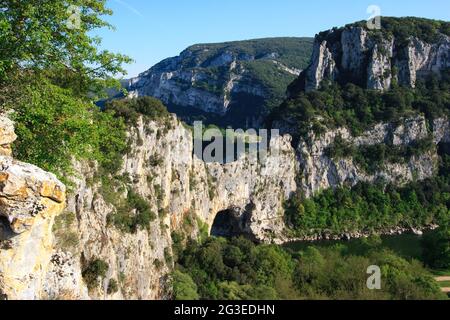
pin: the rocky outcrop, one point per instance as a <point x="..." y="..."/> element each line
<point x="216" y="78"/>
<point x="355" y="54"/>
<point x="320" y="172"/>
<point x="187" y="192"/>
<point x="30" y="199"/>
<point x="7" y="136"/>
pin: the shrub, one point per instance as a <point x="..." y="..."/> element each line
<point x="135" y="213"/>
<point x="130" y="109"/>
<point x="113" y="286"/>
<point x="94" y="270"/>
<point x="436" y="245"/>
<point x="66" y="238"/>
<point x="184" y="287"/>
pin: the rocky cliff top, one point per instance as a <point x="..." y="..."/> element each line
<point x="403" y="50"/>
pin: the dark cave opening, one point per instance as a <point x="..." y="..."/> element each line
<point x="231" y="223"/>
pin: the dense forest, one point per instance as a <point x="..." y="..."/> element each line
<point x="50" y="76"/>
<point x="237" y="269"/>
<point x="373" y="207"/>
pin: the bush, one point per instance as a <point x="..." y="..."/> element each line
<point x="436" y="245"/>
<point x="372" y="206"/>
<point x="184" y="287"/>
<point x="131" y="109"/>
<point x="135" y="213"/>
<point x="94" y="270"/>
<point x="373" y="158"/>
<point x="237" y="269"/>
<point x="335" y="105"/>
<point x="66" y="238"/>
<point x="113" y="286"/>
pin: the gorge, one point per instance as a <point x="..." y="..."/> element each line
<point x="112" y="234"/>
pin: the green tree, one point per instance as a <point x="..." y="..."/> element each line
<point x="436" y="246"/>
<point x="51" y="72"/>
<point x="55" y="37"/>
<point x="184" y="287"/>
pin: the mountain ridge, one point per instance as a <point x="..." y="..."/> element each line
<point x="231" y="83"/>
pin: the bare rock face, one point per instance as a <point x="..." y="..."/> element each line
<point x="320" y="172"/>
<point x="358" y="55"/>
<point x="7" y="136"/>
<point x="30" y="199"/>
<point x="323" y="66"/>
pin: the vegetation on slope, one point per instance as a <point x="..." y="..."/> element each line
<point x="358" y="109"/>
<point x="437" y="248"/>
<point x="402" y="29"/>
<point x="261" y="64"/>
<point x="237" y="269"/>
<point x="50" y="74"/>
<point x="292" y="52"/>
<point x="374" y="158"/>
<point x="372" y="207"/>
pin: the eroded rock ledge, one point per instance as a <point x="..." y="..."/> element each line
<point x="30" y="198"/>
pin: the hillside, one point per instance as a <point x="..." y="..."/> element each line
<point x="368" y="117"/>
<point x="232" y="83"/>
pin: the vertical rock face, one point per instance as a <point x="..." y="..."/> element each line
<point x="323" y="66"/>
<point x="7" y="136"/>
<point x="247" y="196"/>
<point x="320" y="172"/>
<point x="181" y="189"/>
<point x="30" y="199"/>
<point x="354" y="54"/>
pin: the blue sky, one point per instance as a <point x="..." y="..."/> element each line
<point x="151" y="30"/>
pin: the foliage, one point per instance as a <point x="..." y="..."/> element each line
<point x="237" y="269"/>
<point x="93" y="271"/>
<point x="113" y="286"/>
<point x="131" y="109"/>
<point x="50" y="75"/>
<point x="437" y="248"/>
<point x="132" y="214"/>
<point x="372" y="158"/>
<point x="54" y="127"/>
<point x="372" y="206"/>
<point x="66" y="238"/>
<point x="335" y="105"/>
<point x="402" y="29"/>
<point x="292" y="52"/>
<point x="37" y="36"/>
<point x="184" y="287"/>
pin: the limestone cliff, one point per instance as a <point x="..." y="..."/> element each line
<point x="232" y="83"/>
<point x="187" y="192"/>
<point x="319" y="171"/>
<point x="374" y="59"/>
<point x="44" y="256"/>
<point x="183" y="190"/>
<point x="30" y="199"/>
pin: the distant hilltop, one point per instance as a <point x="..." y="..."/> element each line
<point x="231" y="83"/>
